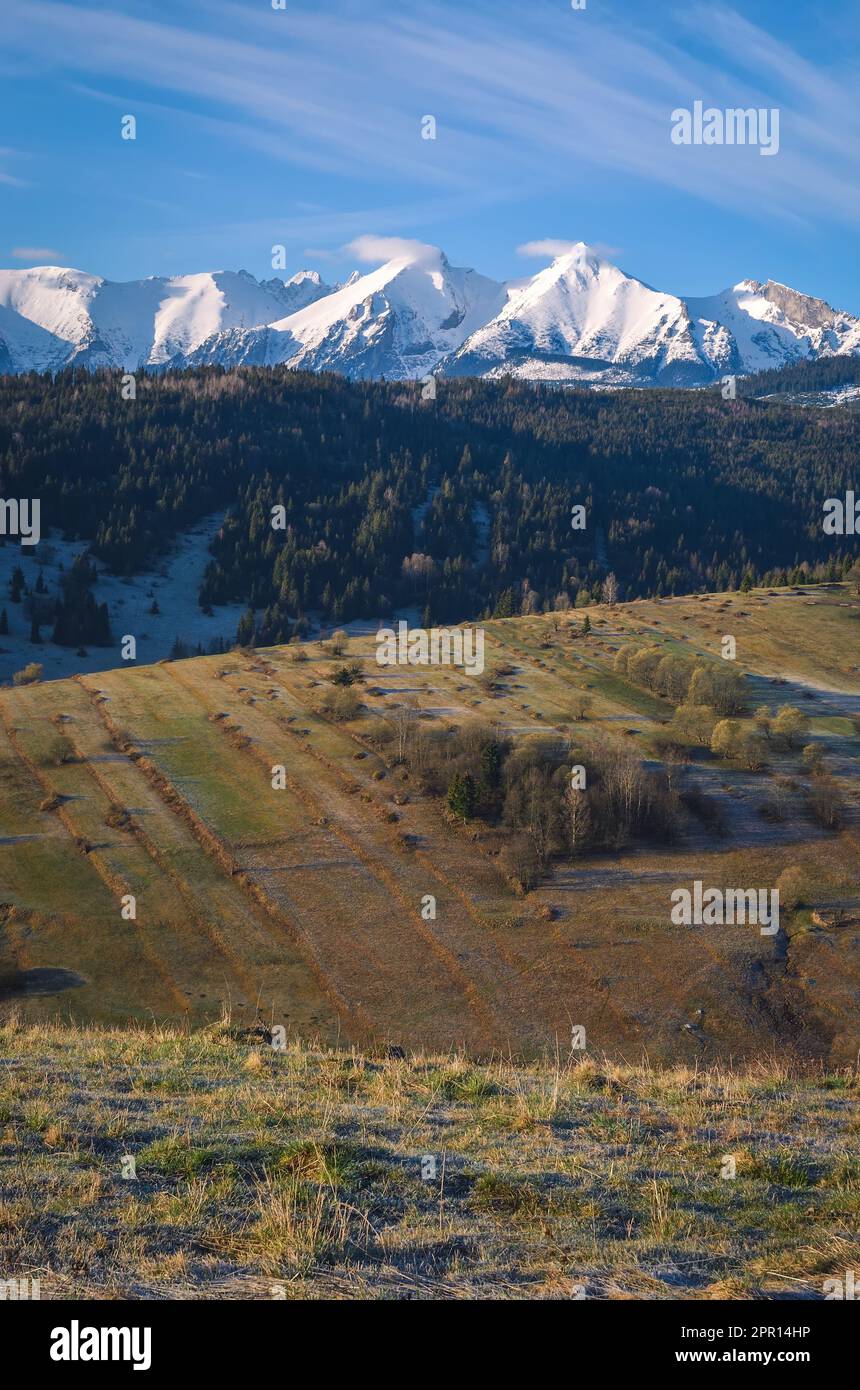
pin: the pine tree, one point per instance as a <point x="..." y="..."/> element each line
<point x="245" y="630"/>
<point x="505" y="605"/>
<point x="461" y="795"/>
<point x="491" y="761"/>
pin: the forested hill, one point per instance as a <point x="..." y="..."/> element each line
<point x="460" y="505"/>
<point x="825" y="374"/>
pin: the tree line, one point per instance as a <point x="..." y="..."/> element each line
<point x="459" y="508"/>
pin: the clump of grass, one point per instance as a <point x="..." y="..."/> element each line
<point x="494" y="1193"/>
<point x="845" y="1173"/>
<point x="38" y="1116"/>
<point x="173" y="1155"/>
<point x="466" y="1086"/>
<point x="309" y="1161"/>
<point x="297" y="1227"/>
<point x="587" y="1077"/>
<point x="779" y="1169"/>
<point x="665" y="1219"/>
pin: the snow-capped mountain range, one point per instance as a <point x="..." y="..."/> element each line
<point x="580" y="319"/>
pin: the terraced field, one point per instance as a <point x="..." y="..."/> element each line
<point x="303" y="905"/>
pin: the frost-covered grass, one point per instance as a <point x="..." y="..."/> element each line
<point x="299" y="1173"/>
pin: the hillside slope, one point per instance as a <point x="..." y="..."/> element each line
<point x="307" y="903"/>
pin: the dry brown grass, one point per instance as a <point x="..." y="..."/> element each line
<point x="306" y="903"/>
<point x="305" y="1173"/>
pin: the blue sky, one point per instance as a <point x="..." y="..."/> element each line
<point x="302" y="126"/>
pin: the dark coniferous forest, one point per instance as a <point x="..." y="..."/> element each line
<point x="459" y="506"/>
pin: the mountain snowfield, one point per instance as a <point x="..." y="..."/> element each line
<point x="580" y="319"/>
<point x="398" y="321"/>
<point x="52" y="317"/>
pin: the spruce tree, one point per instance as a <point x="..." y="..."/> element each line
<point x="461" y="795"/>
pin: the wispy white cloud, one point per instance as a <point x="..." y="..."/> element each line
<point x="524" y="96"/>
<point x="547" y="247"/>
<point x="7" y="155"/>
<point x="551" y="246"/>
<point x="388" y="248"/>
<point x="44" y="254"/>
<point x="324" y="234"/>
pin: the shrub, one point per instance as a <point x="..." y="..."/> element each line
<point x="580" y="705"/>
<point x="341" y="705"/>
<point x="59" y="751"/>
<point x="793" y="887"/>
<point x="726" y="738"/>
<point x="813" y="757"/>
<point x="347" y="675"/>
<point x="719" y="686"/>
<point x="826" y="803"/>
<point x="31" y="673"/>
<point x="790" y="725"/>
<point x="520" y="863"/>
<point x="694" y="724"/>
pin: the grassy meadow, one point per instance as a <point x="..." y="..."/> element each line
<point x="321" y="1172"/>
<point x="429" y="1128"/>
<point x="303" y="904"/>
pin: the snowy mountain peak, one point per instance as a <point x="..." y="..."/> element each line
<point x="582" y="255"/>
<point x="580" y="318"/>
<point x="305" y="275"/>
<point x="397" y="320"/>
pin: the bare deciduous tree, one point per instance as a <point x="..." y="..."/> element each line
<point x="609" y="591"/>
